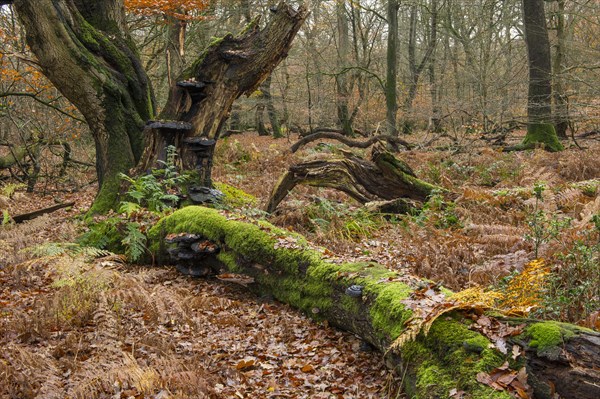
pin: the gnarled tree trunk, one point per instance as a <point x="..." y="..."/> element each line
<point x="384" y="177"/>
<point x="228" y="68"/>
<point x="84" y="48"/>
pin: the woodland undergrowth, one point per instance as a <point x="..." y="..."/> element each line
<point x="521" y="230"/>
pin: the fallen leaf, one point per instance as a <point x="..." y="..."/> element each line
<point x="307" y="368"/>
<point x="245" y="364"/>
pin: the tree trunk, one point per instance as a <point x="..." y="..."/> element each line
<point x="561" y="105"/>
<point x="341" y="78"/>
<point x="229" y="67"/>
<point x="259" y="115"/>
<point x="383" y="177"/>
<point x="540" y="130"/>
<point x="417" y="69"/>
<point x="375" y="304"/>
<point x="271" y="111"/>
<point x="86" y="52"/>
<point x="391" y="97"/>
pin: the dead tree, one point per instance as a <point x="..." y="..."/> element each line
<point x="228" y="68"/>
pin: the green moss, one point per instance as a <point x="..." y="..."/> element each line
<point x="234" y="197"/>
<point x="547" y="335"/>
<point x="450" y="356"/>
<point x="108" y="196"/>
<point x="388" y="313"/>
<point x="542" y="134"/>
<point x="229" y="259"/>
<point x="351" y="305"/>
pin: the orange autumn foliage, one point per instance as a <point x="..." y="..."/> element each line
<point x="179" y="9"/>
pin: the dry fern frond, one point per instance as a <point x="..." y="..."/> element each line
<point x="477" y="297"/>
<point x="567" y="198"/>
<point x="540" y="174"/>
<point x="588" y="212"/>
<point x="27" y="374"/>
<point x="493" y="229"/>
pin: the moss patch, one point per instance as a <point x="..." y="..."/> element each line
<point x="548" y="335"/>
<point x="449" y="358"/>
<point x="542" y="134"/>
<point x="234" y="197"/>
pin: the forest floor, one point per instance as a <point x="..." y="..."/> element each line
<point x="73" y="324"/>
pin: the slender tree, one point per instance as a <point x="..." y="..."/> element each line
<point x="391" y="97"/>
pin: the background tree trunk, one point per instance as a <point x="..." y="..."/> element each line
<point x="342" y="85"/>
<point x="391" y="97"/>
<point x="561" y="105"/>
<point x="540" y="128"/>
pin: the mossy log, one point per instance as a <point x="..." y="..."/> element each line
<point x="366" y="299"/>
<point x="383" y="177"/>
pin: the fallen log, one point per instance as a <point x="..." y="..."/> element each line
<point x="383" y="177"/>
<point x="452" y="360"/>
<point x="32" y="215"/>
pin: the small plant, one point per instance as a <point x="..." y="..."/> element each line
<point x="573" y="291"/>
<point x="134" y="241"/>
<point x="543" y="228"/>
<point x="5" y="217"/>
<point x="8" y="190"/>
<point x="341" y="221"/>
<point x="156" y="191"/>
<point x="439" y="212"/>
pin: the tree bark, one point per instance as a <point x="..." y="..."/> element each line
<point x="383" y="177"/>
<point x="417" y="69"/>
<point x="540" y="130"/>
<point x="391" y="97"/>
<point x="561" y="104"/>
<point x="339" y="136"/>
<point x="271" y="111"/>
<point x="342" y="85"/>
<point x="370" y="301"/>
<point x="86" y="52"/>
<point x="229" y="67"/>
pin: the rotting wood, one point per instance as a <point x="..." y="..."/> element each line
<point x="383" y="177"/>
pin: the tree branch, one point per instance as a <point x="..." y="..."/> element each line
<point x="46" y="103"/>
<point x="349" y="142"/>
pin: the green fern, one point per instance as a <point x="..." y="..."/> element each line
<point x="134" y="242"/>
<point x="8" y="190"/>
<point x="129" y="208"/>
<point x="68" y="248"/>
